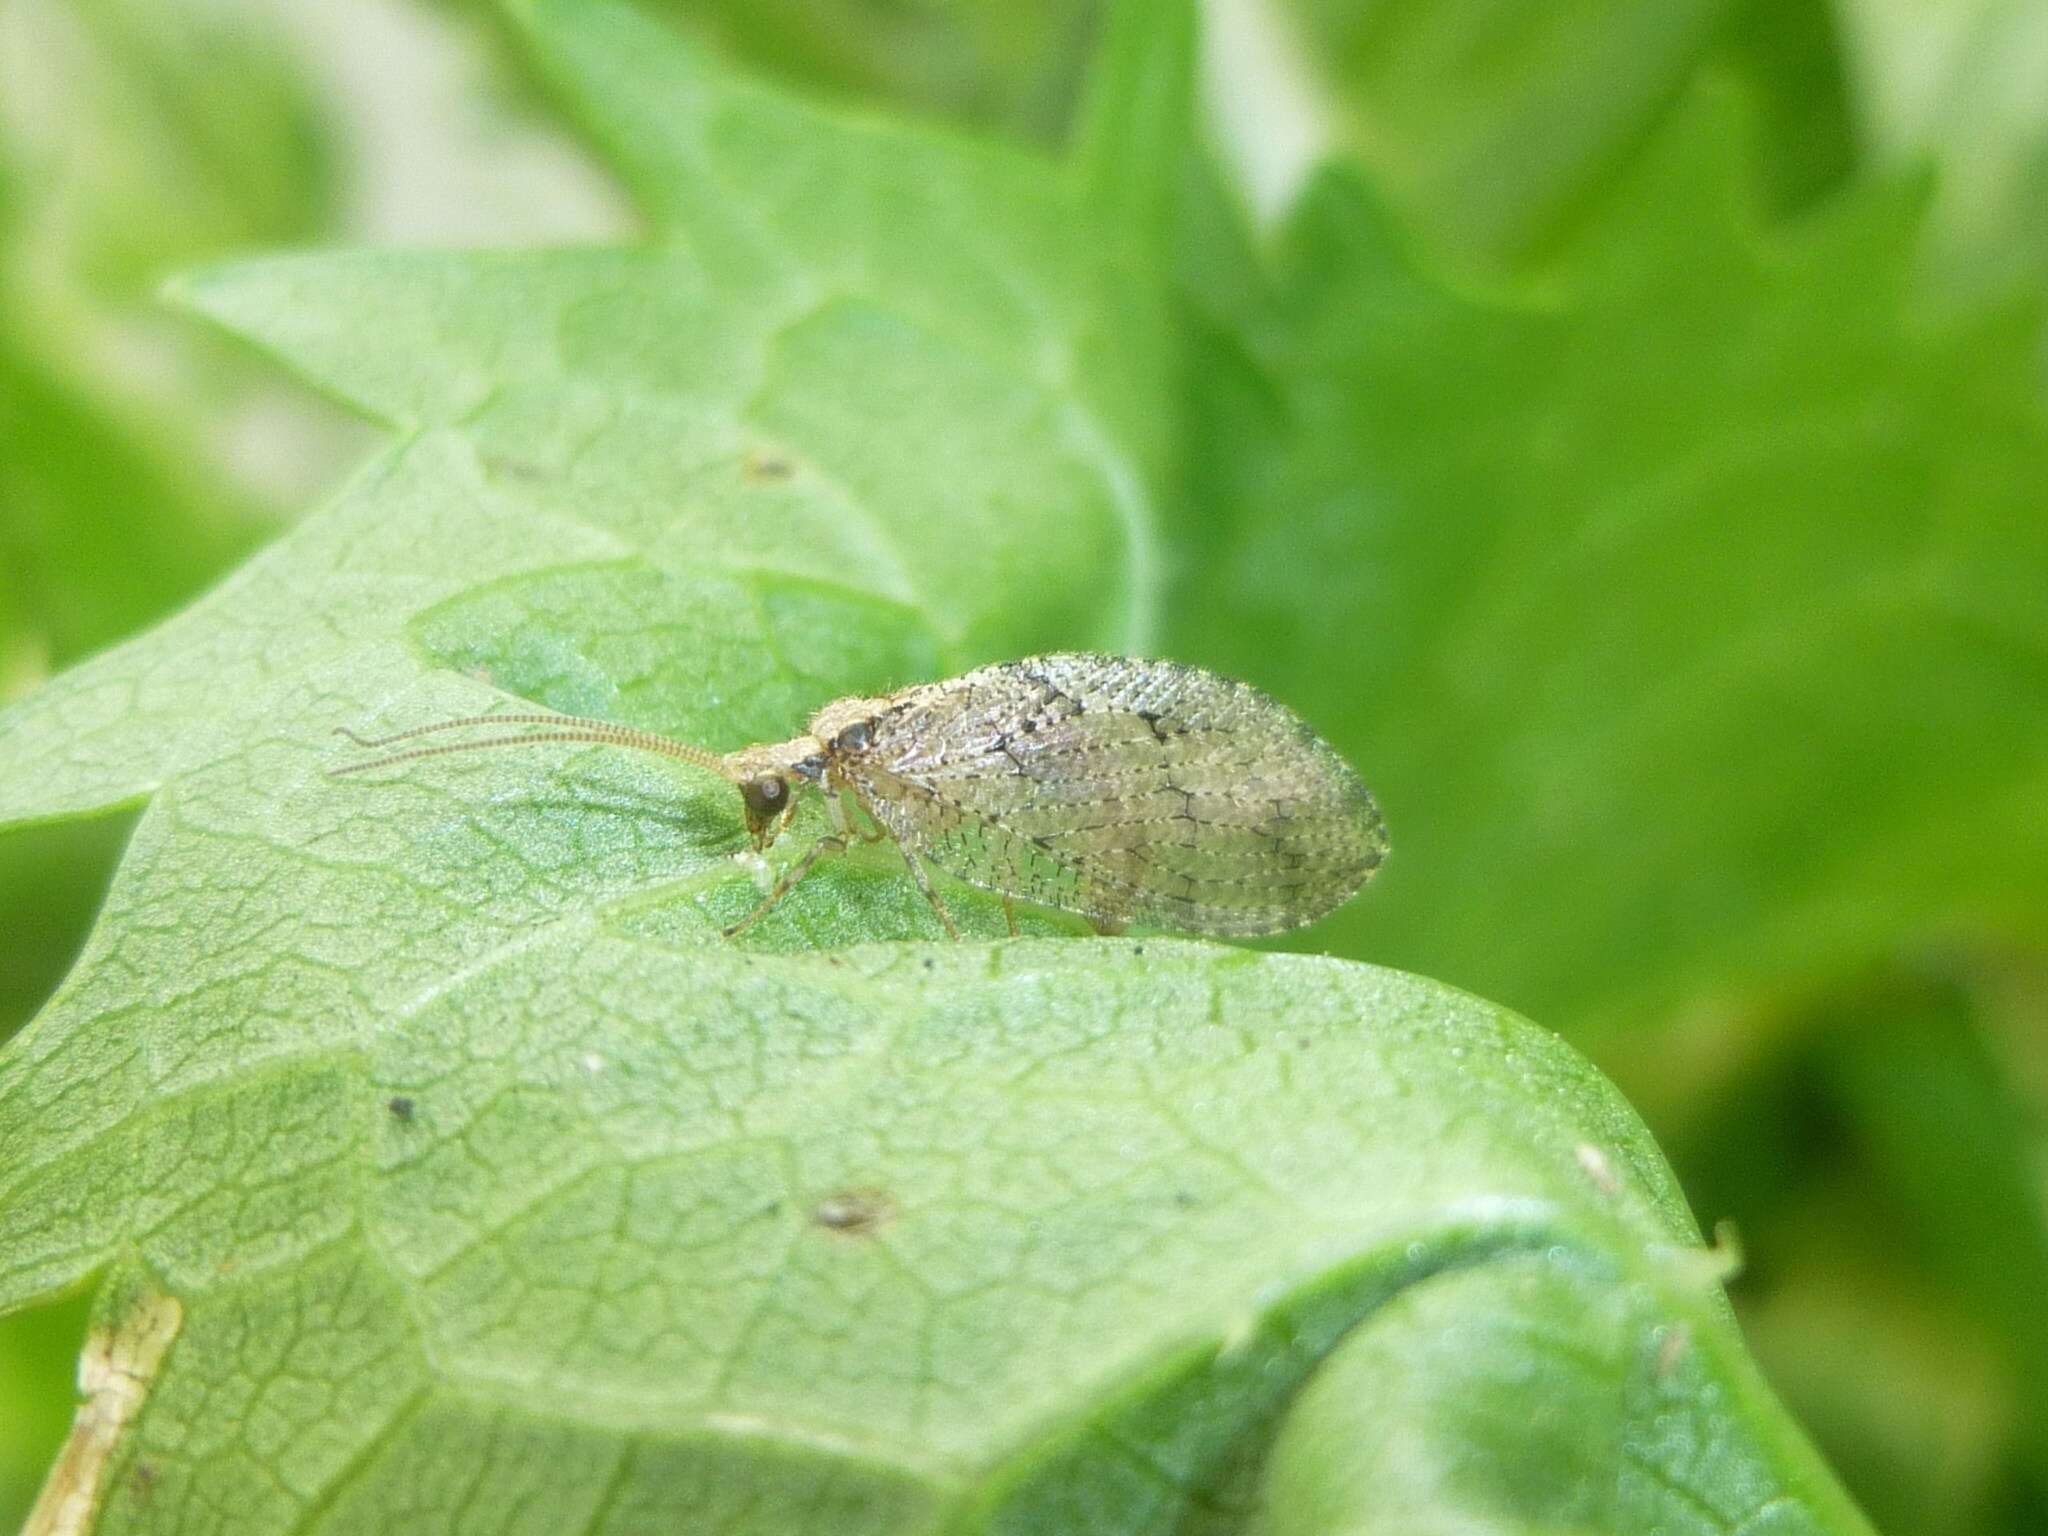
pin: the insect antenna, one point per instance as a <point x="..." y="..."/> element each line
<point x="566" y="728"/>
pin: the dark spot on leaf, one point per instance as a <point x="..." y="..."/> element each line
<point x="1183" y="1198"/>
<point x="515" y="469"/>
<point x="142" y="1479"/>
<point x="929" y="962"/>
<point x="401" y="1110"/>
<point x="855" y="1212"/>
<point x="764" y="466"/>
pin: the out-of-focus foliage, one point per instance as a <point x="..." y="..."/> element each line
<point x="103" y="528"/>
<point x="1882" y="1150"/>
<point x="1958" y="87"/>
<point x="1679" y="590"/>
<point x="124" y="159"/>
<point x="127" y="154"/>
<point x="1692" y="612"/>
<point x="1490" y="123"/>
<point x="1016" y="69"/>
<point x="1493" y="126"/>
<point x="38" y="1361"/>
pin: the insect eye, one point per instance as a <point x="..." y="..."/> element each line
<point x="854" y="738"/>
<point x="765" y="793"/>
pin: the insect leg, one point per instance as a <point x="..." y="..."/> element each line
<point x="787" y="883"/>
<point x="1010" y="916"/>
<point x="861" y="822"/>
<point x="924" y="883"/>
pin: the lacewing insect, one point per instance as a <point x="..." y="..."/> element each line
<point x="1126" y="791"/>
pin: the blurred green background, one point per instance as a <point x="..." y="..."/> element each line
<point x="1877" y="1127"/>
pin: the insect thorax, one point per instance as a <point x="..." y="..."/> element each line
<point x="844" y="725"/>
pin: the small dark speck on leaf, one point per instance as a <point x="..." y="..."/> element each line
<point x="1137" y="949"/>
<point x="515" y="469"/>
<point x="765" y="467"/>
<point x="929" y="962"/>
<point x="401" y="1110"/>
<point x="856" y="1212"/>
<point x="1183" y="1198"/>
<point x="142" y="1478"/>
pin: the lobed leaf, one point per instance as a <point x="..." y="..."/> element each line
<point x="1685" y="618"/>
<point x="1491" y="124"/>
<point x="444" y="1167"/>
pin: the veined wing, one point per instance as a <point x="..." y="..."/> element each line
<point x="1129" y="790"/>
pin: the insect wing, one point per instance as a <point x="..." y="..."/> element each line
<point x="1128" y="790"/>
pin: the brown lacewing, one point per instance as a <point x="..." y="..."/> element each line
<point x="1123" y="790"/>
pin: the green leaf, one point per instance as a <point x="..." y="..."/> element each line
<point x="1786" y="55"/>
<point x="1489" y="1405"/>
<point x="1846" y="1316"/>
<point x="39" y="1350"/>
<point x="52" y="879"/>
<point x="1954" y="87"/>
<point x="132" y="157"/>
<point x="1687" y="621"/>
<point x="100" y="533"/>
<point x="585" y="1210"/>
<point x="1017" y="68"/>
<point x="1499" y="127"/>
<point x="1948" y="1139"/>
<point x="1491" y="122"/>
<point x="1137" y="126"/>
<point x="446" y="1170"/>
<point x="120" y="158"/>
